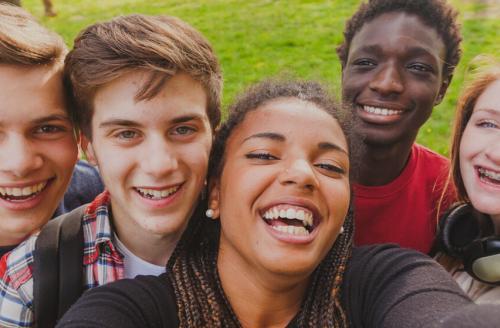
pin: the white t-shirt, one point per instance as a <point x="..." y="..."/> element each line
<point x="134" y="265"/>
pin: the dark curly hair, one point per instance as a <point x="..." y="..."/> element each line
<point x="193" y="267"/>
<point x="434" y="13"/>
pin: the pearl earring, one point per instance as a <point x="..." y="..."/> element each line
<point x="209" y="213"/>
<point x="341" y="229"/>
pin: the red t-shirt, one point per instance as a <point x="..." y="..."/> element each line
<point x="404" y="210"/>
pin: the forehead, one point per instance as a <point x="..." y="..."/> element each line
<point x="30" y="91"/>
<point x="295" y="119"/>
<point x="392" y="31"/>
<point x="490" y="98"/>
<point x="178" y="96"/>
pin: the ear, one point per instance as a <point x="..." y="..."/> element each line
<point x="214" y="198"/>
<point x="87" y="148"/>
<point x="442" y="90"/>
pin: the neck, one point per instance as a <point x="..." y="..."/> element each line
<point x="153" y="248"/>
<point x="259" y="299"/>
<point x="382" y="164"/>
<point x="9" y="239"/>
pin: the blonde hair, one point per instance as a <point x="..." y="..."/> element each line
<point x="23" y="41"/>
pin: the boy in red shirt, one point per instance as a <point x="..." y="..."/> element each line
<point x="397" y="61"/>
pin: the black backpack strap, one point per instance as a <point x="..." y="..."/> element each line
<point x="71" y="260"/>
<point x="57" y="267"/>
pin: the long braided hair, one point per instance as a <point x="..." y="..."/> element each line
<point x="193" y="267"/>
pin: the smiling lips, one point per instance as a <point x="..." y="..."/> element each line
<point x="157" y="194"/>
<point x="489" y="176"/>
<point x="22" y="194"/>
<point x="381" y="111"/>
<point x="289" y="219"/>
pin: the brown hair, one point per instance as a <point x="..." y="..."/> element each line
<point x="161" y="45"/>
<point x="481" y="79"/>
<point x="23" y="41"/>
<point x="193" y="267"/>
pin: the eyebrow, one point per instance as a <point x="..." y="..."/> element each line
<point x="266" y="135"/>
<point x="491" y="111"/>
<point x="54" y="117"/>
<point x="130" y="123"/>
<point x="377" y="49"/>
<point x="331" y="146"/>
<point x="279" y="137"/>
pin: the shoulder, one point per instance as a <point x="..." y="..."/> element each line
<point x="145" y="300"/>
<point x="16" y="266"/>
<point x="377" y="257"/>
<point x="84" y="169"/>
<point x="84" y="186"/>
<point x="429" y="156"/>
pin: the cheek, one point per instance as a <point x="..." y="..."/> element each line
<point x="195" y="157"/>
<point x="340" y="198"/>
<point x="63" y="154"/>
<point x="468" y="145"/>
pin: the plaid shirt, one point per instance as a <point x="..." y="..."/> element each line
<point x="102" y="263"/>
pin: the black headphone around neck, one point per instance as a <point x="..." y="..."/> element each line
<point x="468" y="235"/>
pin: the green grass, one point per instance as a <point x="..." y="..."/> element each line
<point x="256" y="39"/>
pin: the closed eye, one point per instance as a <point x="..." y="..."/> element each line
<point x="262" y="156"/>
<point x="331" y="168"/>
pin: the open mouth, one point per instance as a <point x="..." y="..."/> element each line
<point x="381" y="111"/>
<point x="157" y="194"/>
<point x="15" y="194"/>
<point x="489" y="176"/>
<point x="293" y="220"/>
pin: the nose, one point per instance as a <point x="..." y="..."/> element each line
<point x="159" y="158"/>
<point x="388" y="80"/>
<point x="19" y="157"/>
<point x="299" y="173"/>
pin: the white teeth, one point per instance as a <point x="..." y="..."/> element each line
<point x="292" y="230"/>
<point x="25" y="191"/>
<point x="290" y="213"/>
<point x="381" y="111"/>
<point x="157" y="194"/>
<point x="489" y="174"/>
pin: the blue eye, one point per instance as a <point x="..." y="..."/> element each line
<point x="184" y="130"/>
<point x="127" y="134"/>
<point x="487" y="124"/>
<point x="262" y="156"/>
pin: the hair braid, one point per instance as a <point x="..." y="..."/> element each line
<point x="193" y="267"/>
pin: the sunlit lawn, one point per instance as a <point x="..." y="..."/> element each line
<point x="256" y="39"/>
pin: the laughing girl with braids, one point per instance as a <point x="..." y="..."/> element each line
<point x="276" y="248"/>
